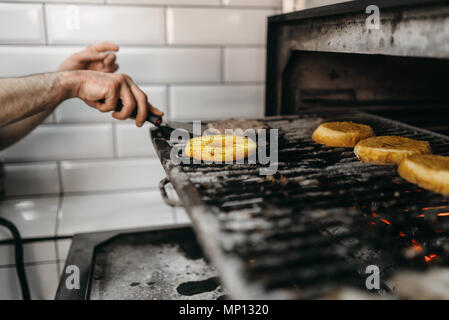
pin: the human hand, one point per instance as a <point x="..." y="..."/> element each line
<point x="102" y="91"/>
<point x="97" y="57"/>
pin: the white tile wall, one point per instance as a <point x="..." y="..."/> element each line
<point x="54" y="142"/>
<point x="33" y="217"/>
<point x="181" y="216"/>
<point x="88" y="24"/>
<point x="24" y="60"/>
<point x="21" y="23"/>
<point x="75" y="110"/>
<point x="42" y="278"/>
<point x="31" y="179"/>
<point x="216" y="26"/>
<point x="60" y="1"/>
<point x="216" y="101"/>
<point x="119" y="210"/>
<point x="111" y="175"/>
<point x="32" y="252"/>
<point x="147" y="65"/>
<point x="133" y="141"/>
<point x="169" y="2"/>
<point x="63" y="248"/>
<point x="244" y="64"/>
<point x="257" y="3"/>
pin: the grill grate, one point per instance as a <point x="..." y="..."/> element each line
<point x="322" y="218"/>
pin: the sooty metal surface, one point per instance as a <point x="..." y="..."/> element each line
<point x="315" y="225"/>
<point x="166" y="264"/>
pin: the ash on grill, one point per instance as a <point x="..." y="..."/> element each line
<point x="311" y="230"/>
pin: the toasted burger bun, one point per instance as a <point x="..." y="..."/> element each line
<point x="389" y="149"/>
<point x="429" y="171"/>
<point x="220" y="148"/>
<point x="341" y="134"/>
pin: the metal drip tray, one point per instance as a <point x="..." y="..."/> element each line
<point x="160" y="264"/>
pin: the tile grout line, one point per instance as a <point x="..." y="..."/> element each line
<point x="169" y="111"/>
<point x="58" y="215"/>
<point x="44" y="17"/>
<point x="114" y="141"/>
<point x="165" y="25"/>
<point x="82" y="193"/>
<point x="222" y="64"/>
<point x="60" y="179"/>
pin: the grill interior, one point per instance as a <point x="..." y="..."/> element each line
<point x="409" y="89"/>
<point x="324" y="216"/>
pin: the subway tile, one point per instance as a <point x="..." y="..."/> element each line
<point x="217" y="26"/>
<point x="39" y="251"/>
<point x="61" y="1"/>
<point x="244" y="64"/>
<point x="34" y="217"/>
<point x="255" y="3"/>
<point x="86" y="24"/>
<point x="31" y="178"/>
<point x="133" y="141"/>
<point x="57" y="142"/>
<point x="118" y="210"/>
<point x="21" y="61"/>
<point x="21" y="23"/>
<point x="75" y="110"/>
<point x="42" y="279"/>
<point x="123" y="174"/>
<point x="63" y="248"/>
<point x="157" y="96"/>
<point x="170" y="64"/>
<point x="168" y="2"/>
<point x="318" y="3"/>
<point x="49" y="119"/>
<point x="216" y="101"/>
<point x="181" y="216"/>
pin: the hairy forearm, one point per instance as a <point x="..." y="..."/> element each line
<point x="26" y="102"/>
<point x="23" y="97"/>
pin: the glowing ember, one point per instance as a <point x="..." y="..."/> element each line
<point x="385" y="221"/>
<point x="416" y="246"/>
<point x="443" y="214"/>
<point x="420" y="216"/>
<point x="432" y="208"/>
<point x="375" y="214"/>
<point x="430" y="257"/>
<point x="402" y="234"/>
<point x="405" y="210"/>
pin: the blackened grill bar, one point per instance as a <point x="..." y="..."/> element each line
<point x="315" y="225"/>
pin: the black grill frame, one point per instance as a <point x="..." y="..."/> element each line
<point x="213" y="235"/>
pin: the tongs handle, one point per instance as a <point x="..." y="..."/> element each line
<point x="154" y="119"/>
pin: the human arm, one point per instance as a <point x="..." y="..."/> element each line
<point x="35" y="96"/>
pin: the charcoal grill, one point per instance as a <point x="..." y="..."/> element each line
<point x="315" y="225"/>
<point x="312" y="229"/>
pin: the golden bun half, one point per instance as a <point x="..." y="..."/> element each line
<point x="389" y="149"/>
<point x="429" y="171"/>
<point x="220" y="148"/>
<point x="341" y="134"/>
